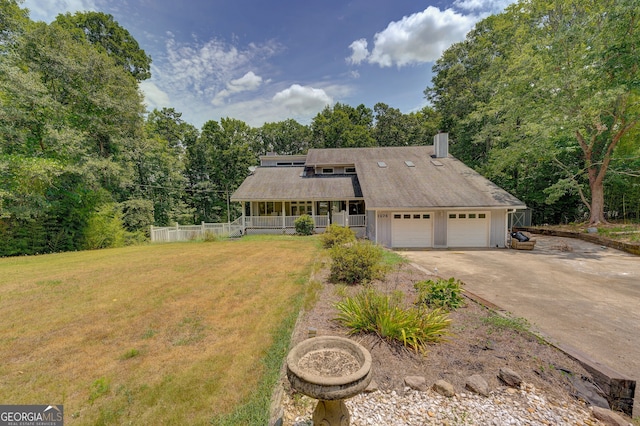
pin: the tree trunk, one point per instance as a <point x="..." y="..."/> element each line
<point x="597" y="203"/>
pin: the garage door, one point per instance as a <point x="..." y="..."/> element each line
<point x="411" y="229"/>
<point x="468" y="229"/>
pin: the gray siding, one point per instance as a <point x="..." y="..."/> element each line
<point x="383" y="226"/>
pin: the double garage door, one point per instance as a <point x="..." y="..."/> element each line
<point x="464" y="229"/>
<point x="412" y="229"/>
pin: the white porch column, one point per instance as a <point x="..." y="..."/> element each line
<point x="284" y="217"/>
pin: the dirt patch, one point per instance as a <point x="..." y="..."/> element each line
<point x="482" y="342"/>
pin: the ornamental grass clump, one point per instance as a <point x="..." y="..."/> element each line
<point x="445" y="294"/>
<point x="336" y="235"/>
<point x="356" y="263"/>
<point x="371" y="311"/>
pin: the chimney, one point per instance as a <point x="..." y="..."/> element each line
<point x="441" y="145"/>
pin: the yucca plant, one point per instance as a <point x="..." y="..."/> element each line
<point x="370" y="311"/>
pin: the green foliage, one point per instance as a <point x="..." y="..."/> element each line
<point x="336" y="235"/>
<point x="99" y="387"/>
<point x="446" y="294"/>
<point x="104" y="33"/>
<point x="356" y="263"/>
<point x="370" y="311"/>
<point x="131" y="353"/>
<point x="500" y="323"/>
<point x="105" y="229"/>
<point x="304" y="225"/>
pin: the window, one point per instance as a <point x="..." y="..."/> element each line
<point x="397" y="216"/>
<point x="327" y="171"/>
<point x="482" y="216"/>
<point x="472" y="215"/>
<point x="407" y="216"/>
<point x="452" y="215"/>
<point x="426" y="216"/>
<point x="462" y="216"/>
<point x="350" y="170"/>
<point x="416" y="216"/>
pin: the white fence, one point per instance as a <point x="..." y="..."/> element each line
<point x="257" y="224"/>
<point x="193" y="232"/>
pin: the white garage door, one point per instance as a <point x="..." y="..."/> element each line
<point x="411" y="229"/>
<point x="468" y="229"/>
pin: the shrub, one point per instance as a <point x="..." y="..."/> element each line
<point x="104" y="228"/>
<point x="304" y="225"/>
<point x="336" y="235"/>
<point x="446" y="294"/>
<point x="356" y="263"/>
<point x="370" y="311"/>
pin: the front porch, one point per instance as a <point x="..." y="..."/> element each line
<point x="263" y="217"/>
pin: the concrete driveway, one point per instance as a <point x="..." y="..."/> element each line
<point x="576" y="293"/>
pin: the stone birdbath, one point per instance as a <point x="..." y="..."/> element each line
<point x="329" y="369"/>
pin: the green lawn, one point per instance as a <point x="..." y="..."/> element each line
<point x="159" y="334"/>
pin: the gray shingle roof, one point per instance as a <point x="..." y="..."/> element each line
<point x="429" y="183"/>
<point x="286" y="183"/>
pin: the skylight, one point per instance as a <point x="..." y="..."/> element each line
<point x="409" y="163"/>
<point x="382" y="164"/>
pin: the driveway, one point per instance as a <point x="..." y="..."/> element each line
<point x="574" y="292"/>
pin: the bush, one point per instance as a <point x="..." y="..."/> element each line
<point x="446" y="294"/>
<point x="104" y="228"/>
<point x="372" y="312"/>
<point x="336" y="235"/>
<point x="356" y="263"/>
<point x="304" y="225"/>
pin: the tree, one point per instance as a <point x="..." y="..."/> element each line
<point x="343" y="126"/>
<point x="102" y="31"/>
<point x="552" y="83"/>
<point x="284" y="137"/>
<point x="393" y="128"/>
<point x="217" y="164"/>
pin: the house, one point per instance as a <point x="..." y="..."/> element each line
<point x="399" y="197"/>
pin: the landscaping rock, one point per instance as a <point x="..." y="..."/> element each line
<point x="444" y="388"/>
<point x="418" y="383"/>
<point x="477" y="384"/>
<point x="608" y="417"/>
<point x="510" y="377"/>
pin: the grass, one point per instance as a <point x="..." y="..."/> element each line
<point x="188" y="333"/>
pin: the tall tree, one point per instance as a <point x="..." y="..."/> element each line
<point x="284" y="137"/>
<point x="217" y="164"/>
<point x="343" y="126"/>
<point x="558" y="85"/>
<point x="104" y="32"/>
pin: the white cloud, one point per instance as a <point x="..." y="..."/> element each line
<point x="359" y="51"/>
<point x="420" y="37"/>
<point x="248" y="82"/>
<point x="204" y="69"/>
<point x="302" y="100"/>
<point x="153" y="96"/>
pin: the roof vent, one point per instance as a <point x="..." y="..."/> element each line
<point x="437" y="163"/>
<point x="382" y="164"/>
<point x="409" y="163"/>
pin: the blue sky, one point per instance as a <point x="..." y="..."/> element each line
<point x="261" y="61"/>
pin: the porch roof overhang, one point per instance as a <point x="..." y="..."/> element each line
<point x="288" y="183"/>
